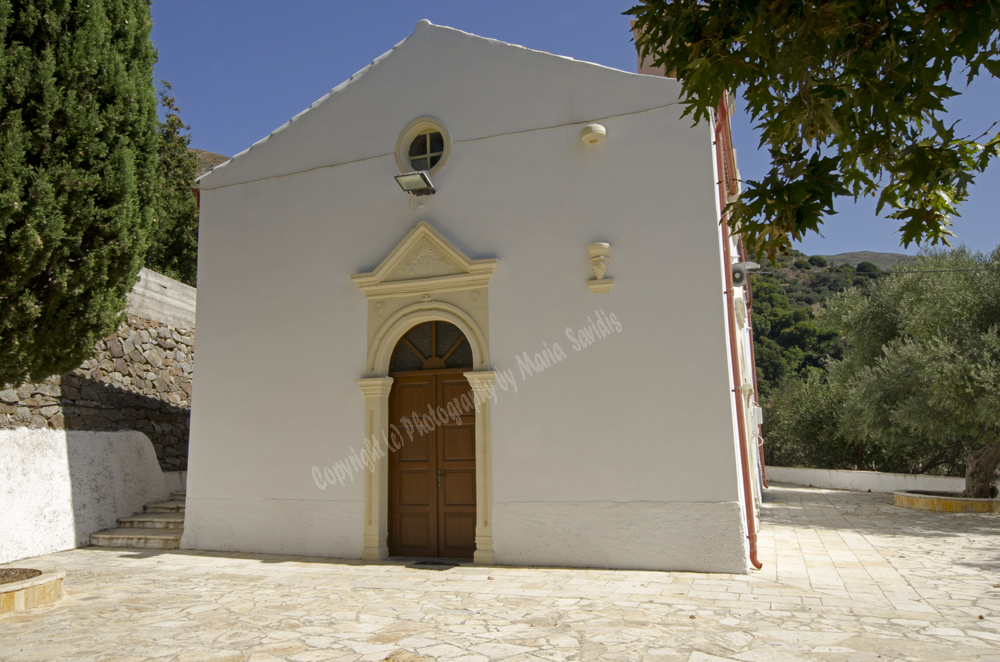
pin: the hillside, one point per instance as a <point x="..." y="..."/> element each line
<point x="207" y="160"/>
<point x="789" y="342"/>
<point x="883" y="261"/>
<point x="809" y="281"/>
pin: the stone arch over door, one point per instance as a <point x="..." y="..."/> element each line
<point x="423" y="279"/>
<point x="388" y="335"/>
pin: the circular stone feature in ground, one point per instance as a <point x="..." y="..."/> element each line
<point x="945" y="502"/>
<point x="9" y="575"/>
<point x="32" y="588"/>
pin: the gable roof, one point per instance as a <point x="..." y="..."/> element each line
<point x="477" y="87"/>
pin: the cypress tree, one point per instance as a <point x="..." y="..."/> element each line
<point x="173" y="247"/>
<point x="78" y="148"/>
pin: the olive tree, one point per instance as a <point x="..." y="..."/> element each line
<point x="921" y="375"/>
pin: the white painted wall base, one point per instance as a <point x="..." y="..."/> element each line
<point x="329" y="529"/>
<point x="863" y="481"/>
<point x="696" y="537"/>
<point x="175" y="481"/>
<point x="58" y="486"/>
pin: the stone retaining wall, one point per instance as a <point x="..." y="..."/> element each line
<point x="139" y="379"/>
<point x="59" y="486"/>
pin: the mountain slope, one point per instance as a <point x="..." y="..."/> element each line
<point x="207" y="160"/>
<point x="883" y="260"/>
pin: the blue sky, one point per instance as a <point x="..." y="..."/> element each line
<point x="242" y="68"/>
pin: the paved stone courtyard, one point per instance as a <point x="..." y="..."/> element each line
<point x="847" y="576"/>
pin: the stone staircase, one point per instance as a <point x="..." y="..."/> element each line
<point x="158" y="526"/>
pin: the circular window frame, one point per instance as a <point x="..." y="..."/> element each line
<point x="414" y="129"/>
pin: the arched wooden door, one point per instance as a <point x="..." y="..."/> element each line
<point x="432" y="477"/>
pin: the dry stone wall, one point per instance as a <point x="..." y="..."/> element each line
<point x="139" y="379"/>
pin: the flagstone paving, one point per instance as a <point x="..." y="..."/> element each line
<point x="847" y="577"/>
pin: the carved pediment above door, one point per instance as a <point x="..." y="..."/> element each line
<point x="424" y="261"/>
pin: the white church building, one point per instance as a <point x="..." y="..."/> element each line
<point x="533" y="353"/>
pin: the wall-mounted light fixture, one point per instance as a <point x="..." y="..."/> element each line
<point x="593" y="134"/>
<point x="416" y="183"/>
<point x="600" y="260"/>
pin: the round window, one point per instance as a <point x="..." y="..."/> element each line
<point x="423" y="145"/>
<point x="426" y="150"/>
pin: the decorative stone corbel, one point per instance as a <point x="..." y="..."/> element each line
<point x="593" y="134"/>
<point x="600" y="260"/>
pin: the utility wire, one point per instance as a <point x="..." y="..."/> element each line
<point x="887" y="273"/>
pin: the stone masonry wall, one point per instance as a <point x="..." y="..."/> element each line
<point x="139" y="379"/>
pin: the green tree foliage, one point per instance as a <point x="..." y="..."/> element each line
<point x="818" y="261"/>
<point x="788" y="342"/>
<point x="802" y="426"/>
<point x="869" y="268"/>
<point x="848" y="95"/>
<point x="78" y="147"/>
<point x="918" y="388"/>
<point x="173" y="246"/>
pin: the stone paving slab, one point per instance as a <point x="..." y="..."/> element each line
<point x="847" y="577"/>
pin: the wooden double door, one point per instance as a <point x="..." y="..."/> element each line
<point x="432" y="477"/>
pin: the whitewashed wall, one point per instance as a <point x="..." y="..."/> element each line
<point x="863" y="481"/>
<point x="58" y="486"/>
<point x="623" y="454"/>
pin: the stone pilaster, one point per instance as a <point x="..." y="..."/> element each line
<point x="482" y="385"/>
<point x="376" y="532"/>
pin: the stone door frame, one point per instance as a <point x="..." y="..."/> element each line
<point x="425" y="278"/>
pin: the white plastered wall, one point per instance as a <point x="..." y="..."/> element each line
<point x="620" y="455"/>
<point x="59" y="486"/>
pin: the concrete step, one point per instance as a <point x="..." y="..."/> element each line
<point x="172" y="506"/>
<point x="180" y="496"/>
<point x="152" y="521"/>
<point x="159" y="526"/>
<point x="138" y="538"/>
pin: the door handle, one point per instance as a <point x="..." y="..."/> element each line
<point x="440" y="475"/>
